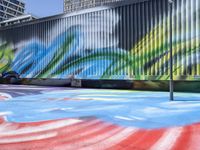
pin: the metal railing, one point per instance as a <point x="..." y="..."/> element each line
<point x="70" y="6"/>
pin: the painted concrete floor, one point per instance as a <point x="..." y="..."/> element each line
<point x="56" y="118"/>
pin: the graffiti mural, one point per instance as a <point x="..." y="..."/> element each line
<point x="65" y="118"/>
<point x="6" y="57"/>
<point x="128" y="42"/>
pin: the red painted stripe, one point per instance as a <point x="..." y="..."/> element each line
<point x="168" y="139"/>
<point x="63" y="135"/>
<point x="60" y="140"/>
<point x="193" y="141"/>
<point x="147" y="140"/>
<point x="70" y="128"/>
<point x="92" y="133"/>
<point x="143" y="139"/>
<point x="184" y="140"/>
<point x="2" y="121"/>
<point x="130" y="140"/>
<point x="90" y="139"/>
<point x="110" y="141"/>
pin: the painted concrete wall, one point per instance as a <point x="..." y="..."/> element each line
<point x="129" y="42"/>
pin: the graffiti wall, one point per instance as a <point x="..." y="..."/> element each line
<point x="124" y="42"/>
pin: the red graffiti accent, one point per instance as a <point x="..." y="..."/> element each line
<point x="3" y="97"/>
<point x="66" y="98"/>
<point x="2" y="121"/>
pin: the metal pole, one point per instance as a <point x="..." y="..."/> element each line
<point x="171" y="84"/>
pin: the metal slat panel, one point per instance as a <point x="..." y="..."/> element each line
<point x="119" y="37"/>
<point x="133" y="39"/>
<point x="198" y="18"/>
<point x="193" y="34"/>
<point x="125" y="38"/>
<point x="102" y="34"/>
<point x="136" y="38"/>
<point x="160" y="37"/>
<point x="197" y="35"/>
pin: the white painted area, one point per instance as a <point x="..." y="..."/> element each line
<point x="93" y="140"/>
<point x="112" y="140"/>
<point x="186" y="105"/>
<point x="194" y="142"/>
<point x="24" y="88"/>
<point x="168" y="140"/>
<point x="123" y="118"/>
<point x="130" y="118"/>
<point x="122" y="107"/>
<point x="105" y="99"/>
<point x="92" y="130"/>
<point x="5" y="113"/>
<point x="27" y="138"/>
<point x="158" y="111"/>
<point x="48" y="126"/>
<point x="56" y="109"/>
<point x="153" y="110"/>
<point x="6" y="95"/>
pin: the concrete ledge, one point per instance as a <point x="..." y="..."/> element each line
<point x="47" y="82"/>
<point x="179" y="86"/>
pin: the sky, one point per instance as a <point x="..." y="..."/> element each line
<point x="43" y="8"/>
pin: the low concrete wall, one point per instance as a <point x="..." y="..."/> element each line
<point x="179" y="86"/>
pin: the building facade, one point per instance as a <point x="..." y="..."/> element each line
<point x="128" y="42"/>
<point x="11" y="8"/>
<point x="17" y="20"/>
<point x="75" y="5"/>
